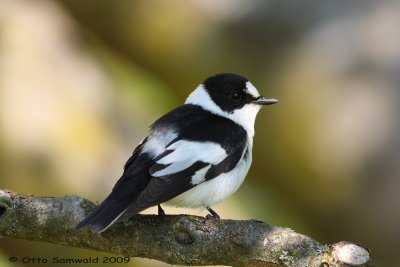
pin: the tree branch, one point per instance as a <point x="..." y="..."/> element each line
<point x="176" y="239"/>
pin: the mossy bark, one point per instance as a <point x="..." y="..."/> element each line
<point x="176" y="239"/>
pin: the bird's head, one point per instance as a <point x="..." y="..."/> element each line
<point x="232" y="96"/>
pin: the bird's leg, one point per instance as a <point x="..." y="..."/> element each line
<point x="213" y="213"/>
<point x="161" y="212"/>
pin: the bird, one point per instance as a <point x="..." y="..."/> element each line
<point x="194" y="156"/>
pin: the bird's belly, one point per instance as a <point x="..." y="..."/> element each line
<point x="215" y="190"/>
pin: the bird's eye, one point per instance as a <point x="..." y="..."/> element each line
<point x="235" y="96"/>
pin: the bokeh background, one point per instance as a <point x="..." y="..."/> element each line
<point x="81" y="81"/>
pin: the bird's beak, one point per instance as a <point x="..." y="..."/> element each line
<point x="262" y="100"/>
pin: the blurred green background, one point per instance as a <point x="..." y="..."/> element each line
<point x="81" y="81"/>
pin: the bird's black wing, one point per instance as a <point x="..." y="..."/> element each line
<point x="207" y="146"/>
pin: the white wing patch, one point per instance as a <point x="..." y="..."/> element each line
<point x="158" y="140"/>
<point x="198" y="177"/>
<point x="185" y="153"/>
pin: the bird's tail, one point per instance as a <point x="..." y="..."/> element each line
<point x="104" y="215"/>
<point x="120" y="204"/>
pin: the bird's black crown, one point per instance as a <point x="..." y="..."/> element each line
<point x="228" y="91"/>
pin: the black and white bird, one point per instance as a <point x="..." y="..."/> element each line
<point x="195" y="156"/>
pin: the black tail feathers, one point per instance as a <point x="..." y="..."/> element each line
<point x="120" y="204"/>
<point x="104" y="215"/>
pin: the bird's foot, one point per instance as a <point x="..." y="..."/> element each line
<point x="214" y="215"/>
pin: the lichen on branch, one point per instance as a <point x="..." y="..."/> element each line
<point x="175" y="239"/>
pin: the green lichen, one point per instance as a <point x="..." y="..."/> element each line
<point x="87" y="206"/>
<point x="5" y="202"/>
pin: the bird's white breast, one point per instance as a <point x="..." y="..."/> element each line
<point x="215" y="190"/>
